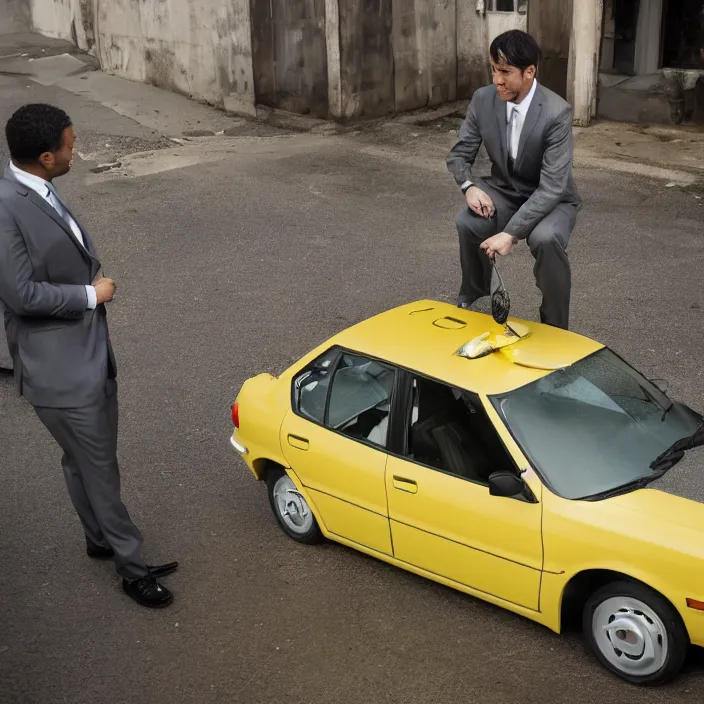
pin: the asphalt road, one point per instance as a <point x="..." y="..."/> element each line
<point x="233" y="267"/>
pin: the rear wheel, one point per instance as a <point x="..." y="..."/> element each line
<point x="291" y="509"/>
<point x="635" y="633"/>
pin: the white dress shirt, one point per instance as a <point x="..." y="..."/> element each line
<point x="514" y="131"/>
<point x="518" y="112"/>
<point x="40" y="186"/>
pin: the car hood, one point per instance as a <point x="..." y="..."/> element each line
<point x="677" y="497"/>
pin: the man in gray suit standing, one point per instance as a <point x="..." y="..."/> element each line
<point x="56" y="323"/>
<point x="5" y="361"/>
<point x="530" y="194"/>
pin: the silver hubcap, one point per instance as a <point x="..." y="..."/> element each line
<point x="292" y="507"/>
<point x="630" y="635"/>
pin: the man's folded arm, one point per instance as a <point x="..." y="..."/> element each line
<point x="26" y="297"/>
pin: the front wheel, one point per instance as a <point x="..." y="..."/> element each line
<point x="635" y="633"/>
<point x="291" y="509"/>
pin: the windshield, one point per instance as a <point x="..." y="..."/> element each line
<point x="594" y="426"/>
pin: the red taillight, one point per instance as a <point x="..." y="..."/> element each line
<point x="236" y="415"/>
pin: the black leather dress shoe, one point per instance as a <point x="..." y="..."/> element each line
<point x="463" y="302"/>
<point x="98" y="552"/>
<point x="157" y="571"/>
<point x="146" y="591"/>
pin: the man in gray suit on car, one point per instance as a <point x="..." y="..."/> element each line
<point x="54" y="308"/>
<point x="530" y="195"/>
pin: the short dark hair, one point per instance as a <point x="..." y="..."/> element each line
<point x="516" y="48"/>
<point x="34" y="129"/>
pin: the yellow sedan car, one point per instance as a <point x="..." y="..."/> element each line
<point x="522" y="464"/>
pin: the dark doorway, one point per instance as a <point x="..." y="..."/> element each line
<point x="684" y="34"/>
<point x="289" y="55"/>
<point x="618" y="49"/>
<point x="625" y="29"/>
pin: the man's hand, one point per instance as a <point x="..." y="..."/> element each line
<point x="479" y="202"/>
<point x="498" y="244"/>
<point x="104" y="290"/>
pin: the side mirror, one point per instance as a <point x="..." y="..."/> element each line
<point x="509" y="485"/>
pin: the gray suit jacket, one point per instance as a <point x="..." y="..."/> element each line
<point x="60" y="349"/>
<point x="542" y="173"/>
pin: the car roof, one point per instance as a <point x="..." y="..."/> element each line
<point x="424" y="337"/>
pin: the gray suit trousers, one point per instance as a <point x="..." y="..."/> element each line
<point x="548" y="243"/>
<point x="88" y="437"/>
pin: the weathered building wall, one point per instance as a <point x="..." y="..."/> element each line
<point x="54" y="19"/>
<point x="477" y="25"/>
<point x="425" y="52"/>
<point x="289" y="55"/>
<point x="15" y="16"/>
<point x="200" y="48"/>
<point x="366" y="58"/>
<point x="550" y="22"/>
<point x="582" y="76"/>
<point x="333" y="58"/>
<point x="398" y="55"/>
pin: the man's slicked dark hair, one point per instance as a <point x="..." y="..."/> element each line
<point x="34" y="129"/>
<point x="516" y="48"/>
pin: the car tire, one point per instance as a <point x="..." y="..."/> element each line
<point x="291" y="509"/>
<point x="635" y="632"/>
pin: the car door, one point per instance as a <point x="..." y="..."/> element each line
<point x="442" y="516"/>
<point x="335" y="439"/>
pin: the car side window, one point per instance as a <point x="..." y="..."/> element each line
<point x="449" y="430"/>
<point x="360" y="399"/>
<point x="311" y="387"/>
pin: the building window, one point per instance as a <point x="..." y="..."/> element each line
<point x="502" y="5"/>
<point x="507" y="6"/>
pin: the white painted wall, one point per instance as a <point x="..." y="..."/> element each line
<point x="477" y="26"/>
<point x="500" y="22"/>
<point x="647" y="58"/>
<point x="53" y="17"/>
<point x="332" y="43"/>
<point x="582" y="82"/>
<point x="201" y="48"/>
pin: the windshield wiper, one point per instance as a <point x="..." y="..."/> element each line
<point x="676" y="451"/>
<point x="667" y="410"/>
<point x="660" y="465"/>
<point x="639" y="483"/>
